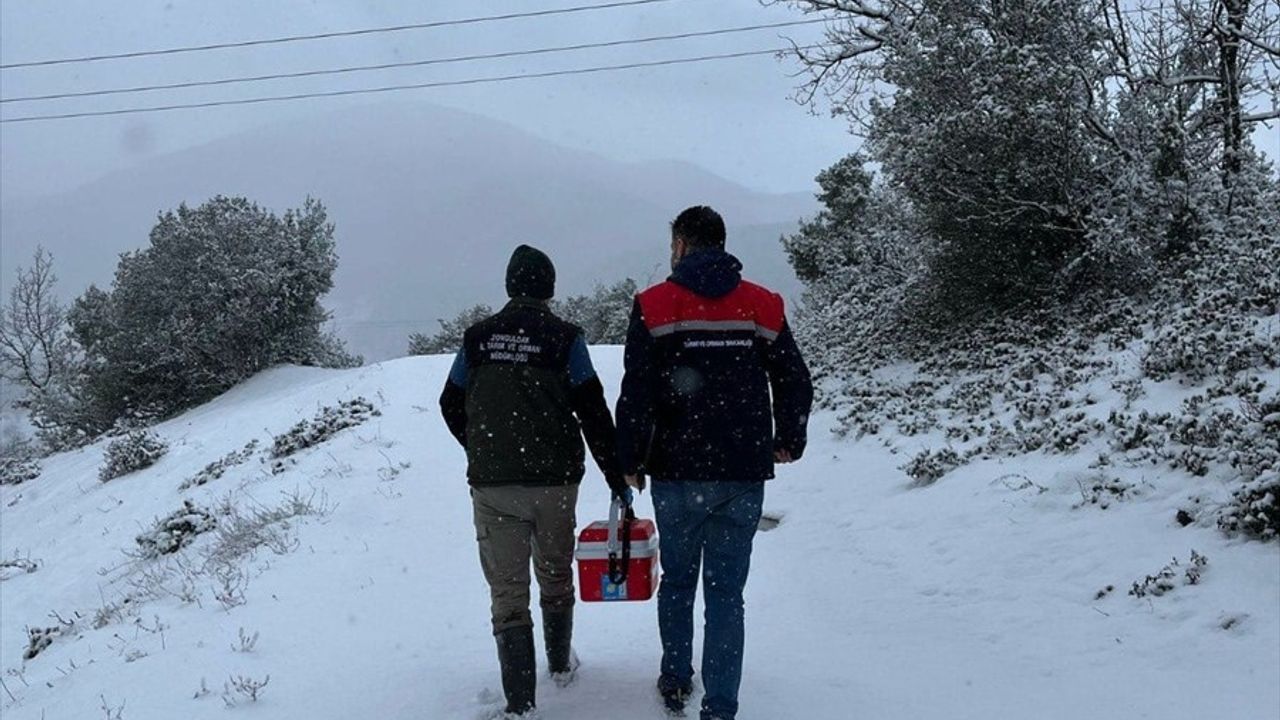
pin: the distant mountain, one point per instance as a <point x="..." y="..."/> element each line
<point x="428" y="203"/>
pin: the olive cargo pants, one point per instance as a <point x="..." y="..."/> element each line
<point x="514" y="524"/>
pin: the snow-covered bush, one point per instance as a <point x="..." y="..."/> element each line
<point x="1101" y="492"/>
<point x="18" y="468"/>
<point x="133" y="452"/>
<point x="63" y="419"/>
<point x="868" y="405"/>
<point x="1254" y="509"/>
<point x="175" y="531"/>
<point x="17" y="565"/>
<point x="1140" y="437"/>
<point x="39" y="640"/>
<point x="1200" y="342"/>
<point x="928" y="467"/>
<point x="328" y="422"/>
<point x="1224" y="320"/>
<point x="1169" y="578"/>
<point x="137" y="418"/>
<point x="217" y="468"/>
<point x="1252" y="446"/>
<point x="1069" y="431"/>
<point x="1196" y="461"/>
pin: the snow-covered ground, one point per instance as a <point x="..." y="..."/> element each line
<point x="976" y="597"/>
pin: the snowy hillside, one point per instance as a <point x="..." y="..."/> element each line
<point x="346" y="572"/>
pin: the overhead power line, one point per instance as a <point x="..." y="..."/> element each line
<point x="395" y="88"/>
<point x="327" y="35"/>
<point x="407" y="64"/>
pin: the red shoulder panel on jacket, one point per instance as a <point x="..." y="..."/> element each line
<point x="669" y="307"/>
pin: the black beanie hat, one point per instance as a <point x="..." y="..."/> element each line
<point x="530" y="274"/>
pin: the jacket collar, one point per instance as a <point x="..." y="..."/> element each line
<point x="709" y="273"/>
<point x="528" y="302"/>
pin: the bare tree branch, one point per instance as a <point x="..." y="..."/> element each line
<point x="847" y="67"/>
<point x="32" y="327"/>
<point x="1272" y="50"/>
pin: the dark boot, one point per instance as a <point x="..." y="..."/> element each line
<point x="519" y="668"/>
<point x="557" y="631"/>
<point x="675" y="694"/>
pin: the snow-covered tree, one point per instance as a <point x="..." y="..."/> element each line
<point x="1051" y="146"/>
<point x="223" y="291"/>
<point x="449" y="338"/>
<point x="38" y="355"/>
<point x="603" y="314"/>
<point x="861" y="259"/>
<point x="995" y="158"/>
<point x="863" y="229"/>
<point x="1170" y="105"/>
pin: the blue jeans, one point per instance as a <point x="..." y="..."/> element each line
<point x="711" y="524"/>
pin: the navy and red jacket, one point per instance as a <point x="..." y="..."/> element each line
<point x="705" y="350"/>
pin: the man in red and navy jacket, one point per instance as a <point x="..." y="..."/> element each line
<point x="715" y="393"/>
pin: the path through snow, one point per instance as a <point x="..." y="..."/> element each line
<point x="973" y="598"/>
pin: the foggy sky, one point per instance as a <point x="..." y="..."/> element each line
<point x="732" y="117"/>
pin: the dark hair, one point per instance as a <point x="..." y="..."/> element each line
<point x="700" y="227"/>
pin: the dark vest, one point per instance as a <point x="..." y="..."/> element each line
<point x="521" y="429"/>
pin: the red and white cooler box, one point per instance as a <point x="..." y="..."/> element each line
<point x="618" y="558"/>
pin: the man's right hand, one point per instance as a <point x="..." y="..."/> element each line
<point x="635" y="481"/>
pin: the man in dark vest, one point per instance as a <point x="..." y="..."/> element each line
<point x="705" y="352"/>
<point x="520" y="396"/>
